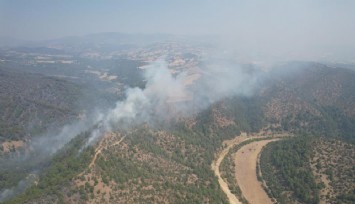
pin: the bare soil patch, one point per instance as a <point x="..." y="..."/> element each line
<point x="246" y="160"/>
<point x="12" y="145"/>
<point x="216" y="164"/>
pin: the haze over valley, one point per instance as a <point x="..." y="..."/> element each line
<point x="179" y="102"/>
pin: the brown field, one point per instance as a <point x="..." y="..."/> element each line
<point x="215" y="167"/>
<point x="8" y="145"/>
<point x="246" y="161"/>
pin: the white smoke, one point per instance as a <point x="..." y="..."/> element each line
<point x="143" y="104"/>
<point x="166" y="96"/>
<point x="20" y="187"/>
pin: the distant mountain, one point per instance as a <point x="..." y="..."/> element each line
<point x="39" y="50"/>
<point x="6" y="41"/>
<point x="342" y="65"/>
<point x="110" y="41"/>
<point x="102" y="42"/>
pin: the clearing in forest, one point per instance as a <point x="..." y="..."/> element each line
<point x="246" y="160"/>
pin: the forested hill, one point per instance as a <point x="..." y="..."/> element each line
<point x="296" y="97"/>
<point x="29" y="103"/>
<point x="173" y="164"/>
<point x="311" y="97"/>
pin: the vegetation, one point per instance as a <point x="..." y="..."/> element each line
<point x="228" y="168"/>
<point x="172" y="163"/>
<point x="59" y="171"/>
<point x="30" y="111"/>
<point x="333" y="123"/>
<point x="332" y="163"/>
<point x="161" y="161"/>
<point x="315" y="99"/>
<point x="285" y="168"/>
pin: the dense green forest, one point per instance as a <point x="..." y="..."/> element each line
<point x="29" y="112"/>
<point x="286" y="169"/>
<point x="194" y="148"/>
<point x="284" y="164"/>
<point x="333" y="123"/>
<point x="58" y="171"/>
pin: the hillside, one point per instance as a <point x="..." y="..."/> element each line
<point x="332" y="162"/>
<point x="30" y="103"/>
<point x="177" y="102"/>
<point x="170" y="163"/>
<point x="309" y="170"/>
<point x="312" y="98"/>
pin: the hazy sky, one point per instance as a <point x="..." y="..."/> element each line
<point x="249" y="23"/>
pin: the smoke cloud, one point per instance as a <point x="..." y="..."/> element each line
<point x="166" y="96"/>
<point x="20" y="187"/>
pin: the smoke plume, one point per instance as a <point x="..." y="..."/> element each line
<point x="165" y="96"/>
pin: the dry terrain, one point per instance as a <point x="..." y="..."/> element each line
<point x="245" y="161"/>
<point x="8" y="146"/>
<point x="216" y="164"/>
<point x="143" y="167"/>
<point x="333" y="165"/>
<point x="252" y="191"/>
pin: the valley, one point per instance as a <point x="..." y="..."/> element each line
<point x="177" y="102"/>
<point x="246" y="160"/>
<point x="130" y="126"/>
<point x="216" y="165"/>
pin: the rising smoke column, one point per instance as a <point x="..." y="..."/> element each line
<point x="151" y="104"/>
<point x="145" y="105"/>
<point x="154" y="103"/>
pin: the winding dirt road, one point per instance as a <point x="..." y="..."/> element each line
<point x="246" y="160"/>
<point x="216" y="163"/>
<point x="101" y="147"/>
<point x="104" y="144"/>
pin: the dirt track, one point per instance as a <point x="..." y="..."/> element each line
<point x="246" y="160"/>
<point x="216" y="163"/>
<point x="102" y="146"/>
